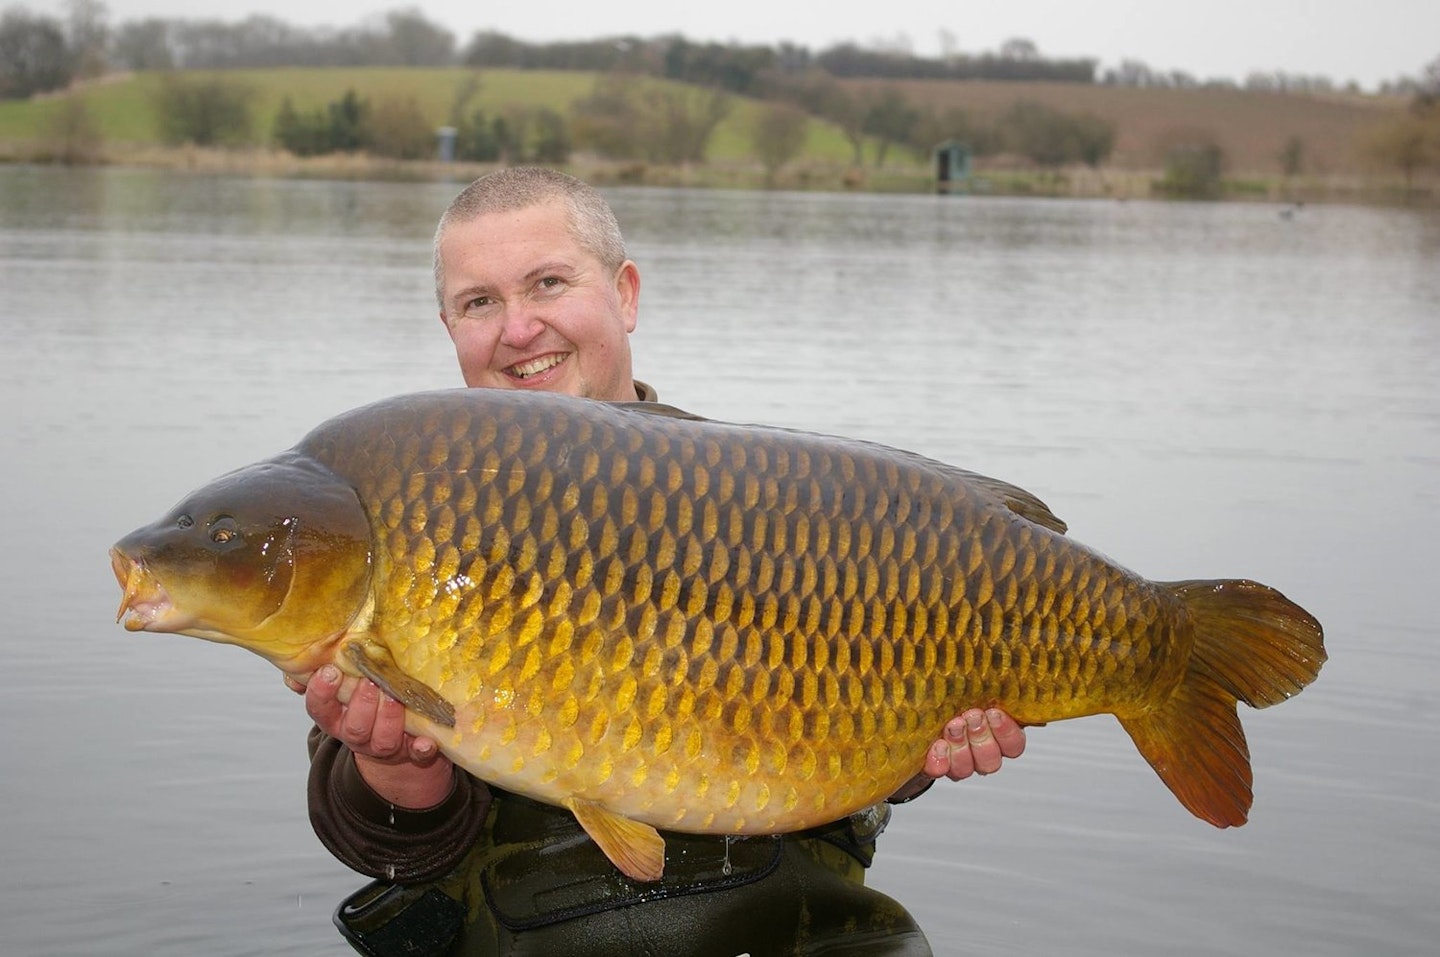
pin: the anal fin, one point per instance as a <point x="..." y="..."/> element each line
<point x="1196" y="745"/>
<point x="636" y="849"/>
<point x="375" y="662"/>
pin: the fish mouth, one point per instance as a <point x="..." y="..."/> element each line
<point x="144" y="606"/>
<point x="534" y="367"/>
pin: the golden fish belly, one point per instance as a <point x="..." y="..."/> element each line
<point x="723" y="628"/>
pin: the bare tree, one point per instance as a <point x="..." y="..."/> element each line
<point x="685" y="118"/>
<point x="72" y="135"/>
<point x="143" y="45"/>
<point x="415" y="41"/>
<point x="1406" y="144"/>
<point x="34" y="56"/>
<point x="1019" y="48"/>
<point x="204" y="111"/>
<point x="1292" y="157"/>
<point x="778" y="136"/>
<point x="88" y="33"/>
<point x="890" y="118"/>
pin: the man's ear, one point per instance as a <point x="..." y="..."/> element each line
<point x="627" y="287"/>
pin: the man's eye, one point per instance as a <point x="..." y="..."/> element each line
<point x="551" y="282"/>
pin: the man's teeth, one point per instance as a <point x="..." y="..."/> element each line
<point x="524" y="370"/>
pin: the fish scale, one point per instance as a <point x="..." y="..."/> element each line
<point x="661" y="621"/>
<point x="760" y="551"/>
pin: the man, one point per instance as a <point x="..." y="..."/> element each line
<point x="536" y="293"/>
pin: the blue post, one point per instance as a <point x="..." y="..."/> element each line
<point x="952" y="168"/>
<point x="446" y="137"/>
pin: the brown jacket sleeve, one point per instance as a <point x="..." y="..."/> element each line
<point x="372" y="836"/>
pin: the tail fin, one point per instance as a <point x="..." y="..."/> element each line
<point x="1251" y="644"/>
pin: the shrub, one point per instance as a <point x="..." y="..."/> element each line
<point x="552" y="138"/>
<point x="347" y="123"/>
<point x="475" y="139"/>
<point x="302" y="134"/>
<point x="1407" y="143"/>
<point x="521" y="135"/>
<point x="398" y="129"/>
<point x="778" y="136"/>
<point x="72" y="136"/>
<point x="1194" y="163"/>
<point x="1050" y="137"/>
<point x="625" y="118"/>
<point x="205" y="111"/>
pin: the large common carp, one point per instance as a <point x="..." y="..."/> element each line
<point x="659" y="621"/>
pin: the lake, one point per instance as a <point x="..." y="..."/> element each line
<point x="1198" y="390"/>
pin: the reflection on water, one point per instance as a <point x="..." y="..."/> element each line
<point x="1199" y="390"/>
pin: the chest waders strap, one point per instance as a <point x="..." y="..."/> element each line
<point x="389" y="920"/>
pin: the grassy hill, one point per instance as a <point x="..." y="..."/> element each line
<point x="123" y="104"/>
<point x="1251" y="128"/>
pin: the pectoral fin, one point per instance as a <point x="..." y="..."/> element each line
<point x="373" y="660"/>
<point x="636" y="848"/>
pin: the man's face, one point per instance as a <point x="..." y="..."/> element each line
<point x="528" y="308"/>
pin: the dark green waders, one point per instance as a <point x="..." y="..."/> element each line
<point x="539" y="887"/>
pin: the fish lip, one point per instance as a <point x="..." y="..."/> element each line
<point x="144" y="604"/>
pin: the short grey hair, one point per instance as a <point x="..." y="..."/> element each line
<point x="591" y="220"/>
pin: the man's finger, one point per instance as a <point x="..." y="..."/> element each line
<point x="962" y="758"/>
<point x="360" y="714"/>
<point x="387" y="735"/>
<point x="424" y="751"/>
<point x="1008" y="733"/>
<point x="321" y="702"/>
<point x="985" y="753"/>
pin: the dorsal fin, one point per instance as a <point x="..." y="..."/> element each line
<point x="1022" y="503"/>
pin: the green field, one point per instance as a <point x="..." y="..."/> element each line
<point x="1252" y="128"/>
<point x="123" y="106"/>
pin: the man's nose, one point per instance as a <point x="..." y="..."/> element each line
<point x="521" y="324"/>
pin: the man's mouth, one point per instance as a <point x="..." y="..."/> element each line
<point x="533" y="367"/>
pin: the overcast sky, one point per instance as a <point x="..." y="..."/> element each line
<point x="1369" y="41"/>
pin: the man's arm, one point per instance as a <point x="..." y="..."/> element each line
<point x="385" y="803"/>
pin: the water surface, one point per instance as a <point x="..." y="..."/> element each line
<point x="1198" y="390"/>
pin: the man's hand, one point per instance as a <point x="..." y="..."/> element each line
<point x="405" y="769"/>
<point x="976" y="742"/>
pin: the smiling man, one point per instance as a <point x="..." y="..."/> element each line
<point x="536" y="292"/>
<point x="529" y="303"/>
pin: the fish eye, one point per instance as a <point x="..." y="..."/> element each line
<point x="185" y="521"/>
<point x="223" y="530"/>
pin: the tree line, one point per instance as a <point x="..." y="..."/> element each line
<point x="39" y="52"/>
<point x="626" y="116"/>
